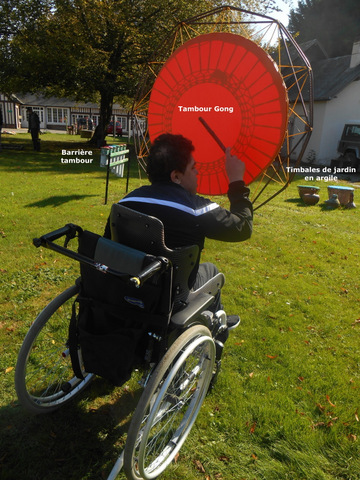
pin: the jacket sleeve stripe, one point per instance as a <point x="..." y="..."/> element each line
<point x="178" y="206"/>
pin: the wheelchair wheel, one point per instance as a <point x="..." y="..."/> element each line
<point x="44" y="378"/>
<point x="169" y="404"/>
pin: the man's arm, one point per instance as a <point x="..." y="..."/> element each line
<point x="235" y="224"/>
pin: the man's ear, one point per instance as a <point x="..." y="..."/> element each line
<point x="175" y="177"/>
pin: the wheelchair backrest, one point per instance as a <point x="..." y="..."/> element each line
<point x="146" y="233"/>
<point x="117" y="322"/>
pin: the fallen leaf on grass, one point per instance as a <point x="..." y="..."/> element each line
<point x="329" y="401"/>
<point x="272" y="356"/>
<point x="9" y="369"/>
<point x="252" y="429"/>
<point x="318" y="424"/>
<point x="224" y="458"/>
<point x="199" y="466"/>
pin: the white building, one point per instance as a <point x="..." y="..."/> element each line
<point x="54" y="113"/>
<point x="336" y="99"/>
<point x="10" y="108"/>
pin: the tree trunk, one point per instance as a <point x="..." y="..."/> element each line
<point x="106" y="105"/>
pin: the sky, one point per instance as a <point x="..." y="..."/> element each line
<point x="285" y="7"/>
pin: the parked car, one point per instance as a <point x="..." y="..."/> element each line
<point x="84" y="124"/>
<point x="349" y="145"/>
<point x="118" y="129"/>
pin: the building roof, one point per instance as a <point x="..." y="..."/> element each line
<point x="41" y="101"/>
<point x="332" y="75"/>
<point x="314" y="50"/>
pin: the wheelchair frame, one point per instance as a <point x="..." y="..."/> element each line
<point x="175" y="388"/>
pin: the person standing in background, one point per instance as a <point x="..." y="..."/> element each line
<point x="34" y="128"/>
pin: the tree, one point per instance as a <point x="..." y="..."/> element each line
<point x="335" y="23"/>
<point x="14" y="17"/>
<point x="89" y="50"/>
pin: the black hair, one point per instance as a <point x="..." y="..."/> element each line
<point x="168" y="152"/>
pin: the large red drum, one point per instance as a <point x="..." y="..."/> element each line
<point x="236" y="88"/>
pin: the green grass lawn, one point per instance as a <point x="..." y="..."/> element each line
<point x="287" y="402"/>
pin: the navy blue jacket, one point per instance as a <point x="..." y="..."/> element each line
<point x="188" y="219"/>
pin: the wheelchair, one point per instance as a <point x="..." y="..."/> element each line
<point x="130" y="308"/>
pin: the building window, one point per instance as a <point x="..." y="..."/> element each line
<point x="123" y="121"/>
<point x="57" y="115"/>
<point x="25" y="116"/>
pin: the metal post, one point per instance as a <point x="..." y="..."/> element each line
<point x="107" y="176"/>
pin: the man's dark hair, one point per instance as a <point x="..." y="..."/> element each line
<point x="168" y="152"/>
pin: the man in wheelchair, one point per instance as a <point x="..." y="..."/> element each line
<point x="142" y="299"/>
<point x="187" y="217"/>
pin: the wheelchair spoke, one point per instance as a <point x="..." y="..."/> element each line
<point x="44" y="378"/>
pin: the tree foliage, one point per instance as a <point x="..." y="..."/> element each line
<point x="87" y="49"/>
<point x="335" y="23"/>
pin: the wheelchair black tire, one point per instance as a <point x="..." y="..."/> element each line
<point x="169" y="404"/>
<point x="44" y="378"/>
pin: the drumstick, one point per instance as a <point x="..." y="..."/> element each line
<point x="213" y="134"/>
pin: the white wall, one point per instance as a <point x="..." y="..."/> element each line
<point x="10" y="112"/>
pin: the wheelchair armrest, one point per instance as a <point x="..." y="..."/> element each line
<point x="70" y="230"/>
<point x="199" y="303"/>
<point x="212" y="286"/>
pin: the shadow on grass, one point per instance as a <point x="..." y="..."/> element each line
<point x="296" y="201"/>
<point x="51" y="158"/>
<point x="81" y="440"/>
<point x="57" y="200"/>
<point x="324" y="207"/>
